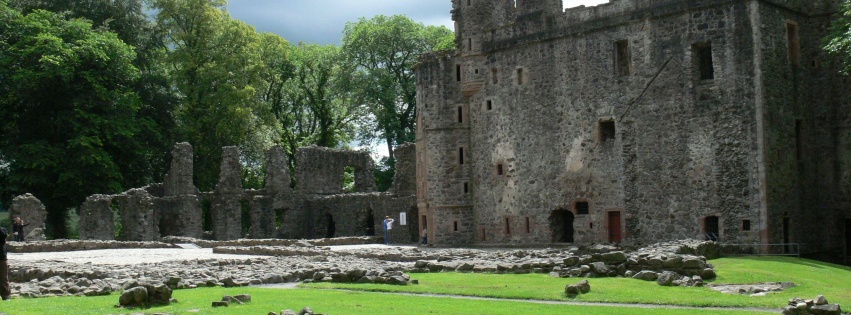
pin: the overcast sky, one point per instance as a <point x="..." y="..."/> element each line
<point x="322" y="21"/>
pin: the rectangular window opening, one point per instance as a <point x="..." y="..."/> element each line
<point x="458" y="73"/>
<point x="703" y="61"/>
<point x="746" y="225"/>
<point x="460" y="114"/>
<point x="520" y="76"/>
<point x="798" y="140"/>
<point x="607" y="130"/>
<point x="489" y="105"/>
<point x="484" y="235"/>
<point x="507" y="226"/>
<point x="466" y="188"/>
<point x="528" y="226"/>
<point x="461" y="156"/>
<point x="455" y="226"/>
<point x="622" y="62"/>
<point x="794" y="42"/>
<point x="582" y="207"/>
<point x="499" y="170"/>
<point x="469" y="44"/>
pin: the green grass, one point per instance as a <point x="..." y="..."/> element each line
<point x="329" y="302"/>
<point x="812" y="277"/>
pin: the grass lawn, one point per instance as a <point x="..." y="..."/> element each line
<point x="198" y="301"/>
<point x="812" y="277"/>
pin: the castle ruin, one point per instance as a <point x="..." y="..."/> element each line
<point x="636" y="121"/>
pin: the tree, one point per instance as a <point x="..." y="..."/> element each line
<point x="215" y="64"/>
<point x="315" y="107"/>
<point x="839" y="40"/>
<point x="385" y="50"/>
<point x="68" y="110"/>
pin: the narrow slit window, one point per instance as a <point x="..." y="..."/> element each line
<point x="703" y="61"/>
<point x="607" y="130"/>
<point x="484" y="235"/>
<point x="461" y="156"/>
<point x="528" y="226"/>
<point x="455" y="226"/>
<point x="466" y="188"/>
<point x="520" y="76"/>
<point x="469" y="44"/>
<point x="507" y="226"/>
<point x="458" y="73"/>
<point x="582" y="207"/>
<point x="622" y="62"/>
<point x="495" y="75"/>
<point x="794" y="42"/>
<point x="499" y="170"/>
<point x="746" y="225"/>
<point x="489" y="105"/>
<point x="460" y="114"/>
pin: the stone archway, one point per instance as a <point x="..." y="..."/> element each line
<point x="561" y="225"/>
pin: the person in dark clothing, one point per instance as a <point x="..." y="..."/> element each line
<point x="5" y="290"/>
<point x="18" y="229"/>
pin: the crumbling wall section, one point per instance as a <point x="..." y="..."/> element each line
<point x="138" y="216"/>
<point x="227" y="200"/>
<point x="179" y="207"/>
<point x="320" y="170"/>
<point x="32" y="212"/>
<point x="97" y="218"/>
<point x="362" y="215"/>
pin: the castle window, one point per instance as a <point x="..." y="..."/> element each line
<point x="495" y="75"/>
<point x="711" y="229"/>
<point x="455" y="226"/>
<point x="469" y="2"/>
<point x="746" y="225"/>
<point x="528" y="226"/>
<point x="582" y="207"/>
<point x="622" y="62"/>
<point x="520" y="76"/>
<point x="794" y="42"/>
<point x="702" y="54"/>
<point x="507" y="226"/>
<point x="460" y="114"/>
<point x="461" y="156"/>
<point x="607" y="130"/>
<point x="489" y="105"/>
<point x="466" y="188"/>
<point x="469" y="44"/>
<point x="458" y="73"/>
<point x="499" y="170"/>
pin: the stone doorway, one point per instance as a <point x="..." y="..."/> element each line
<point x="615" y="235"/>
<point x="325" y="226"/>
<point x="561" y="224"/>
<point x="710" y="228"/>
<point x="369" y="223"/>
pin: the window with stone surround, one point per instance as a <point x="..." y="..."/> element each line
<point x="461" y="156"/>
<point x="460" y="114"/>
<point x="458" y="73"/>
<point x="793" y="42"/>
<point x="489" y="105"/>
<point x="500" y="170"/>
<point x="746" y="225"/>
<point x="702" y="59"/>
<point x="622" y="61"/>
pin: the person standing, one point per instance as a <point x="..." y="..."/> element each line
<point x="388" y="225"/>
<point x="5" y="290"/>
<point x="18" y="229"/>
<point x="424" y="234"/>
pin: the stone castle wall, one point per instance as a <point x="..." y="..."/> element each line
<point x="545" y="122"/>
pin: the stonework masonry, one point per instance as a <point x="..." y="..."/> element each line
<point x="320" y="207"/>
<point x="636" y="121"/>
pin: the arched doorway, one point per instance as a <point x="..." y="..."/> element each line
<point x="561" y="225"/>
<point x="325" y="226"/>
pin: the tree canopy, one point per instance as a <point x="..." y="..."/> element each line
<point x="839" y="40"/>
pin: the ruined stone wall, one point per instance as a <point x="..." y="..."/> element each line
<point x="606" y="110"/>
<point x="138" y="215"/>
<point x="97" y="219"/>
<point x="320" y="170"/>
<point x="362" y="215"/>
<point x="32" y="212"/>
<point x="177" y="199"/>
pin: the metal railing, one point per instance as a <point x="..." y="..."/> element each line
<point x="755" y="249"/>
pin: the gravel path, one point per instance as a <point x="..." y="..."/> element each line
<point x="123" y="256"/>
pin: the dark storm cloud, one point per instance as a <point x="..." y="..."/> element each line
<point x="322" y="21"/>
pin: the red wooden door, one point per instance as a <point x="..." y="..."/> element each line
<point x="615" y="227"/>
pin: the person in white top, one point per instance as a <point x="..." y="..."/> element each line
<point x="388" y="225"/>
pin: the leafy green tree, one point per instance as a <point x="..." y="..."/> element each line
<point x="385" y="49"/>
<point x="315" y="107"/>
<point x="839" y="40"/>
<point x="215" y="64"/>
<point x="68" y="110"/>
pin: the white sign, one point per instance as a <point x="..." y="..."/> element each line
<point x="403" y="218"/>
